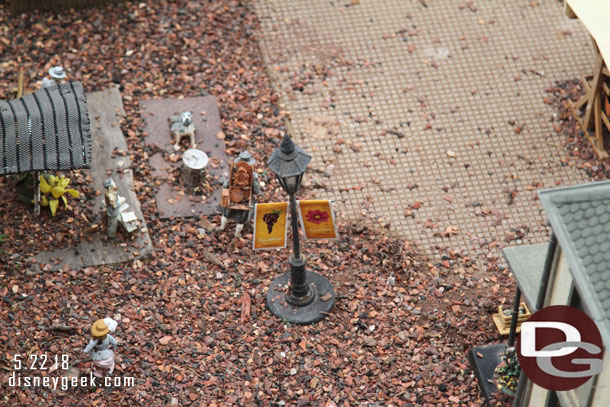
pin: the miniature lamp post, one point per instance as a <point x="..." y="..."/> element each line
<point x="310" y="296"/>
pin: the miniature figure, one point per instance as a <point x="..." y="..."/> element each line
<point x="182" y="126"/>
<point x="237" y="200"/>
<point x="507" y="372"/>
<point x="99" y="346"/>
<point x="116" y="210"/>
<point x="113" y="204"/>
<point x="57" y="75"/>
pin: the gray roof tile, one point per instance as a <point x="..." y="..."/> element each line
<point x="601" y="210"/>
<point x="587" y="260"/>
<point x="599" y="286"/>
<point x="595" y="277"/>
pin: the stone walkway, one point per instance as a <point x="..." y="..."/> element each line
<point x="109" y="159"/>
<point x="429" y="116"/>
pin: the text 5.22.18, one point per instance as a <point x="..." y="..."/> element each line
<point x="40" y="362"/>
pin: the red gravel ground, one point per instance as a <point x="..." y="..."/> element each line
<point x="193" y="327"/>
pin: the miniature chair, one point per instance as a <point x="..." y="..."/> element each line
<point x="593" y="14"/>
<point x="596" y="85"/>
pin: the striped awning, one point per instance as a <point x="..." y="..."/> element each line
<point x="47" y="130"/>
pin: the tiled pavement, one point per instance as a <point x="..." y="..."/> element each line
<point x="435" y="102"/>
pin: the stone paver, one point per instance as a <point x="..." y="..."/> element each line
<point x="105" y="112"/>
<point x="447" y="96"/>
<point x="173" y="198"/>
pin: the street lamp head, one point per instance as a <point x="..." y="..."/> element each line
<point x="287" y="147"/>
<point x="289" y="162"/>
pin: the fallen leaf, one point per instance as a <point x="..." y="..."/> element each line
<point x="245" y="307"/>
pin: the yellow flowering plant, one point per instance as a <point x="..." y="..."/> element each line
<point x="53" y="188"/>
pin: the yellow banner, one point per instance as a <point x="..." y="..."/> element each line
<point x="317" y="219"/>
<point x="270" y="226"/>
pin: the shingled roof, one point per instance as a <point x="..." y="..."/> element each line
<point x="580" y="217"/>
<point x="47" y="130"/>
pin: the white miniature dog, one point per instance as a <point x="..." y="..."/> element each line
<point x="182" y="126"/>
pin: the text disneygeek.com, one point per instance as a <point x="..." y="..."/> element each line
<point x="64" y="382"/>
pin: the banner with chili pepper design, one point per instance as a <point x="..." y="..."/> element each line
<point x="317" y="219"/>
<point x="270" y="226"/>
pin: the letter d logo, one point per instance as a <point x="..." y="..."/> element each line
<point x="528" y="338"/>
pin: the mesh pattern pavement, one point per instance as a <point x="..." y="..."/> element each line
<point x="429" y="116"/>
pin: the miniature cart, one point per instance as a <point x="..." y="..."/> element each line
<point x="239" y="193"/>
<point x="503" y="318"/>
<point x="129" y="221"/>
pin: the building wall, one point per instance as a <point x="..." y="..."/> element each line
<point x="558" y="293"/>
<point x="601" y="396"/>
<point x="596" y="391"/>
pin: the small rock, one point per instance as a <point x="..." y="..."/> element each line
<point x="368" y="341"/>
<point x="72" y="372"/>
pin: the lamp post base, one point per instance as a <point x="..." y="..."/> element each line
<point x="314" y="311"/>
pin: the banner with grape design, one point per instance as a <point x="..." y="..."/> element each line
<point x="317" y="219"/>
<point x="270" y="226"/>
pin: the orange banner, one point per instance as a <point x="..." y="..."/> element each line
<point x="317" y="219"/>
<point x="270" y="226"/>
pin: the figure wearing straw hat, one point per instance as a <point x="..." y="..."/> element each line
<point x="57" y="75"/>
<point x="99" y="346"/>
